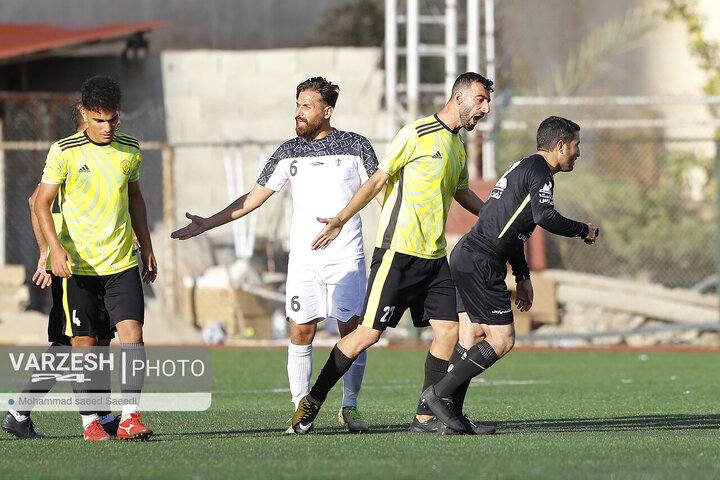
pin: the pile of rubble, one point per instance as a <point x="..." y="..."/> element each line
<point x="583" y="325"/>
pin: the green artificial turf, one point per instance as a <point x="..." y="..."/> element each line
<point x="575" y="415"/>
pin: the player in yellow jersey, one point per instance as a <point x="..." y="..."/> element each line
<point x="18" y="423"/>
<point x="424" y="170"/>
<point x="93" y="255"/>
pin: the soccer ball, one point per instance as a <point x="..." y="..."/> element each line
<point x="213" y="333"/>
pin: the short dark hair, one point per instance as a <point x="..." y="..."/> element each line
<point x="552" y="130"/>
<point x="75" y="116"/>
<point x="101" y="93"/>
<point x="327" y="90"/>
<point x="468" y="78"/>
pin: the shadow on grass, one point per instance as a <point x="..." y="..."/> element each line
<point x="610" y="424"/>
<point x="545" y="425"/>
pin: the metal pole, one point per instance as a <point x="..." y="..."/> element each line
<point x="413" y="59"/>
<point x="473" y="65"/>
<point x="473" y="36"/>
<point x="172" y="284"/>
<point x="451" y="67"/>
<point x="489" y="160"/>
<point x="391" y="65"/>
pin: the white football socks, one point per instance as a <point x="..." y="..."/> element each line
<point x="299" y="368"/>
<point x="352" y="380"/>
<point x="88" y="419"/>
<point x="128" y="410"/>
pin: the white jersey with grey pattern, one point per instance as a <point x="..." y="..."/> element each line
<point x="324" y="175"/>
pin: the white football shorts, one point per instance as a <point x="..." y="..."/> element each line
<point x="321" y="291"/>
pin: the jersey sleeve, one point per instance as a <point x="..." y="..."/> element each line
<point x="369" y="159"/>
<point x="463" y="182"/>
<point x="56" y="167"/>
<point x="401" y="151"/>
<point x="516" y="259"/>
<point x="136" y="163"/>
<point x="543" y="208"/>
<point x="275" y="174"/>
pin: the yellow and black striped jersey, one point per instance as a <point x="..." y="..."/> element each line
<point x="96" y="229"/>
<point x="427" y="165"/>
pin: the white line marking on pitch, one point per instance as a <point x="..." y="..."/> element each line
<point x="478" y="382"/>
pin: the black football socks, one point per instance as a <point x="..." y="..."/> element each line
<point x="458" y="396"/>
<point x="335" y="367"/>
<point x="478" y="358"/>
<point x="435" y="370"/>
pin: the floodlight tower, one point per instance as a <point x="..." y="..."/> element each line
<point x="402" y="92"/>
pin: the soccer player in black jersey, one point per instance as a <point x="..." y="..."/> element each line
<point x="521" y="199"/>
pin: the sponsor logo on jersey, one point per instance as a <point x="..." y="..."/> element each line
<point x="499" y="188"/>
<point x="502" y="312"/>
<point x="546" y="193"/>
<point x="437" y="154"/>
<point x="317" y="164"/>
<point x="338" y="162"/>
<point x="84" y="169"/>
<point x="501" y="184"/>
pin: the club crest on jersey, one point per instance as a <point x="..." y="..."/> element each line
<point x="125" y="167"/>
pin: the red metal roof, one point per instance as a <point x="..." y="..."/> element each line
<point x="19" y="40"/>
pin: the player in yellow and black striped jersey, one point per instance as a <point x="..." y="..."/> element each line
<point x="92" y="256"/>
<point x="94" y="179"/>
<point x="426" y="165"/>
<point x="424" y="170"/>
<point x="18" y="422"/>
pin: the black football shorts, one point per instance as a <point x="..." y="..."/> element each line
<point x="479" y="277"/>
<point x="89" y="305"/>
<point x="398" y="281"/>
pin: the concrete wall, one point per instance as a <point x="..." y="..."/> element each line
<point x="216" y="99"/>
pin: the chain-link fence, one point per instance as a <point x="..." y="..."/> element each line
<point x="29" y="123"/>
<point x="653" y="198"/>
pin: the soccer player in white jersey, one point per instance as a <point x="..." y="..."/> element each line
<point x="325" y="167"/>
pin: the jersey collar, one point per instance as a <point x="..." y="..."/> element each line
<point x="454" y="132"/>
<point x="96" y="143"/>
<point x="329" y="136"/>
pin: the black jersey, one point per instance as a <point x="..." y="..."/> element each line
<point x="520" y="200"/>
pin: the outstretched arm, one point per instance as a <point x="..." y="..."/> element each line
<point x="362" y="197"/>
<point x="469" y="201"/>
<point x="237" y="209"/>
